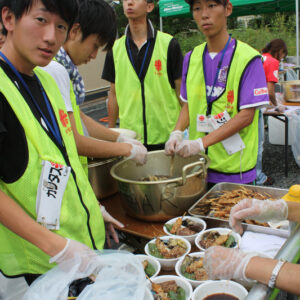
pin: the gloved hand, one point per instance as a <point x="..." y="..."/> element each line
<point x="259" y="210"/>
<point x="188" y="148"/>
<point x="175" y="138"/>
<point x="122" y="138"/>
<point x="75" y="250"/>
<point x="139" y="154"/>
<point x="226" y="263"/>
<point x="110" y="222"/>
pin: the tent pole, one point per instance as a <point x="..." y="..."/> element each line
<point x="161" y="23"/>
<point x="297" y="31"/>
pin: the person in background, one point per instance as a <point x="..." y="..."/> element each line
<point x="49" y="213"/>
<point x="226" y="263"/>
<point x="272" y="54"/>
<point x="2" y="36"/>
<point x="94" y="28"/>
<point x="223" y="84"/>
<point x="144" y="69"/>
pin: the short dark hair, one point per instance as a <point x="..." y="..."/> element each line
<point x="97" y="17"/>
<point x="274" y="48"/>
<point x="223" y="2"/>
<point x="66" y="9"/>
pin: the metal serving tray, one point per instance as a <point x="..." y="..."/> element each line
<point x="218" y="222"/>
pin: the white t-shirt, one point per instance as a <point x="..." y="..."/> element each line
<point x="61" y="76"/>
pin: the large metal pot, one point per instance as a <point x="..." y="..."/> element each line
<point x="163" y="199"/>
<point x="99" y="176"/>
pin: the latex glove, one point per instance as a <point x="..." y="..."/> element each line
<point x="139" y="154"/>
<point x="188" y="148"/>
<point x="78" y="251"/>
<point x="175" y="138"/>
<point x="258" y="210"/>
<point x="122" y="138"/>
<point x="110" y="222"/>
<point x="226" y="263"/>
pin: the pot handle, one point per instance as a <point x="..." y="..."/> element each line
<point x="200" y="163"/>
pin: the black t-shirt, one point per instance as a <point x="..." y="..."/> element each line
<point x="13" y="143"/>
<point x="174" y="59"/>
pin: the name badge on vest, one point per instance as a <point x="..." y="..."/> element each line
<point x="52" y="185"/>
<point x="232" y="144"/>
<point x="203" y="124"/>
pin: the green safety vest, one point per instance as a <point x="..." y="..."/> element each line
<point x="76" y="114"/>
<point x="80" y="217"/>
<point x="229" y="100"/>
<point x="150" y="108"/>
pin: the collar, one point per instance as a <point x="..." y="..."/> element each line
<point x="151" y="32"/>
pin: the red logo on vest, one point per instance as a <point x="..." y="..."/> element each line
<point x="230" y="97"/>
<point x="158" y="67"/>
<point x="201" y="118"/>
<point x="63" y="118"/>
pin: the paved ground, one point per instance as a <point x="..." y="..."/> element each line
<point x="273" y="156"/>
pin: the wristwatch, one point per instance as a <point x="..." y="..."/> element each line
<point x="275" y="273"/>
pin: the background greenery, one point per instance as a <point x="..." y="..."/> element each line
<point x="260" y="30"/>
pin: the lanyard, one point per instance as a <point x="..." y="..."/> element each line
<point x="218" y="69"/>
<point x="54" y="129"/>
<point x="131" y="59"/>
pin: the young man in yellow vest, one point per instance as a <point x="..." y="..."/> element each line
<point x="223" y="85"/>
<point x="94" y="27"/>
<point x="144" y="69"/>
<point x="47" y="207"/>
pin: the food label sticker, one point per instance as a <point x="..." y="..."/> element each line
<point x="53" y="181"/>
<point x="232" y="144"/>
<point x="203" y="124"/>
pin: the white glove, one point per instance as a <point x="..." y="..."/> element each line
<point x="110" y="222"/>
<point x="188" y="148"/>
<point x="226" y="263"/>
<point x="122" y="138"/>
<point x="138" y="154"/>
<point x="78" y="251"/>
<point x="258" y="210"/>
<point x="175" y="138"/>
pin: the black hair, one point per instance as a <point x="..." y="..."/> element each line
<point x="66" y="9"/>
<point x="97" y="17"/>
<point x="274" y="48"/>
<point x="223" y="2"/>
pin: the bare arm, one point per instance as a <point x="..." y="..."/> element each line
<point x="243" y="119"/>
<point x="293" y="211"/>
<point x="183" y="119"/>
<point x="177" y="89"/>
<point x="98" y="131"/>
<point x="15" y="219"/>
<point x="91" y="147"/>
<point x="288" y="279"/>
<point x="113" y="108"/>
<point x="271" y="90"/>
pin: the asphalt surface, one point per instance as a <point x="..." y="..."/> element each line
<point x="273" y="155"/>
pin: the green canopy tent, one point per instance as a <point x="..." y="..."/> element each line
<point x="240" y="8"/>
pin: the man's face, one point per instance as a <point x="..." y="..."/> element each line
<point x="135" y="9"/>
<point x="2" y="36"/>
<point x="210" y="16"/>
<point x="82" y="51"/>
<point x="35" y="38"/>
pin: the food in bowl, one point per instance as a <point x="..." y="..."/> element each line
<point x="184" y="226"/>
<point x="221" y="296"/>
<point x="214" y="238"/>
<point x="192" y="268"/>
<point x="148" y="268"/>
<point x="151" y="265"/>
<point x="168" y="290"/>
<point x="170" y="248"/>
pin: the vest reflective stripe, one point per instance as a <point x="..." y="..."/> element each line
<point x="76" y="115"/>
<point x="16" y="255"/>
<point x="161" y="107"/>
<point x="196" y="94"/>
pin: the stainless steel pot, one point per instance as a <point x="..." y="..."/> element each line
<point x="99" y="176"/>
<point x="163" y="199"/>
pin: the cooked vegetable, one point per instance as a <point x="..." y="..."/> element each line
<point x="184" y="227"/>
<point x="230" y="243"/>
<point x="154" y="251"/>
<point x="168" y="290"/>
<point x="149" y="269"/>
<point x="192" y="268"/>
<point x="171" y="248"/>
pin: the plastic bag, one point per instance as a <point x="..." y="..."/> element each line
<point x="119" y="275"/>
<point x="295" y="131"/>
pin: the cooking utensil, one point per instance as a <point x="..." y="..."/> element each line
<point x="162" y="199"/>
